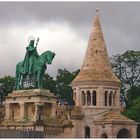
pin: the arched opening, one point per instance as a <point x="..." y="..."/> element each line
<point x="13" y="113"/>
<point x="114" y="98"/>
<point x="83" y="98"/>
<point x="87" y="132"/>
<point x="94" y="98"/>
<point x="105" y="98"/>
<point x="124" y="133"/>
<point x="138" y="131"/>
<point x="104" y="135"/>
<point x="88" y="98"/>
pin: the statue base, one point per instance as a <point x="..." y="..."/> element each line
<point x="28" y="106"/>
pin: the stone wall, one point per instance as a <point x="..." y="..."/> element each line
<point x="21" y="134"/>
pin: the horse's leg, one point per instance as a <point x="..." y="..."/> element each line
<point x="39" y="79"/>
<point x="42" y="72"/>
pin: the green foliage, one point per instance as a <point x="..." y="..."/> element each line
<point x="132" y="94"/>
<point x="61" y="86"/>
<point x="127" y="68"/>
<point x="6" y="86"/>
<point x="63" y="80"/>
<point x="49" y="83"/>
<point x="8" y="83"/>
<point x="133" y="103"/>
<point x="133" y="111"/>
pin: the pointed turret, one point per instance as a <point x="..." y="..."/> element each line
<point x="96" y="66"/>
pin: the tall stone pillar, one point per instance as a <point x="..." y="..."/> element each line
<point x="7" y="113"/>
<point x="53" y="110"/>
<point x="85" y="99"/>
<point x="36" y="111"/>
<point x="22" y="110"/>
<point x="112" y="98"/>
<point x="91" y="95"/>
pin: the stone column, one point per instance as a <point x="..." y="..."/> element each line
<point x="22" y="110"/>
<point x="7" y="113"/>
<point x="85" y="99"/>
<point x="54" y="110"/>
<point x="91" y="100"/>
<point x="112" y="98"/>
<point x="36" y="111"/>
<point x="78" y="97"/>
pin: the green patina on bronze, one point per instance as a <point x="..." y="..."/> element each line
<point x="30" y="71"/>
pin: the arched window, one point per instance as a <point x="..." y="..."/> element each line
<point x="104" y="135"/>
<point x="83" y="98"/>
<point x="106" y="98"/>
<point x="87" y="132"/>
<point x="94" y="98"/>
<point x="110" y="95"/>
<point x="88" y="98"/>
<point x="124" y="133"/>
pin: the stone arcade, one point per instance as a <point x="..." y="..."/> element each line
<point x="96" y="92"/>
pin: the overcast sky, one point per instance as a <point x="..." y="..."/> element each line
<point x="64" y="27"/>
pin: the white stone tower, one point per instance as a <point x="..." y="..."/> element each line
<point x="96" y="90"/>
<point x="96" y="86"/>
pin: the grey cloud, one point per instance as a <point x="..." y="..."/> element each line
<point x="119" y="20"/>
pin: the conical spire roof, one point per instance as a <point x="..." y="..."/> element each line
<point x="96" y="66"/>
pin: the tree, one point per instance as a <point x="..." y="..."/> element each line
<point x="49" y="83"/>
<point x="7" y="85"/>
<point x="133" y="103"/>
<point x="2" y="92"/>
<point x="127" y="68"/>
<point x="63" y="81"/>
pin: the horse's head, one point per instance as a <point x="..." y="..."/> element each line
<point x="48" y="56"/>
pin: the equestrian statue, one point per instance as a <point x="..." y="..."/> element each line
<point x="30" y="71"/>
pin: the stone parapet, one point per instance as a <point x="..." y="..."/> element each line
<point x="32" y="95"/>
<point x="95" y="83"/>
<point x="31" y="92"/>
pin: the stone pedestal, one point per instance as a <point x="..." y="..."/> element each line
<point x="22" y="110"/>
<point x="26" y="105"/>
<point x="7" y="113"/>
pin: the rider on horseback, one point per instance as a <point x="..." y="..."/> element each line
<point x="30" y="71"/>
<point x="30" y="57"/>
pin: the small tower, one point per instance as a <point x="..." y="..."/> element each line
<point x="96" y="90"/>
<point x="96" y="86"/>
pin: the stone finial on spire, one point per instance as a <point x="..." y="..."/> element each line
<point x="97" y="10"/>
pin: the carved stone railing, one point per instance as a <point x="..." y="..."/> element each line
<point x="53" y="130"/>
